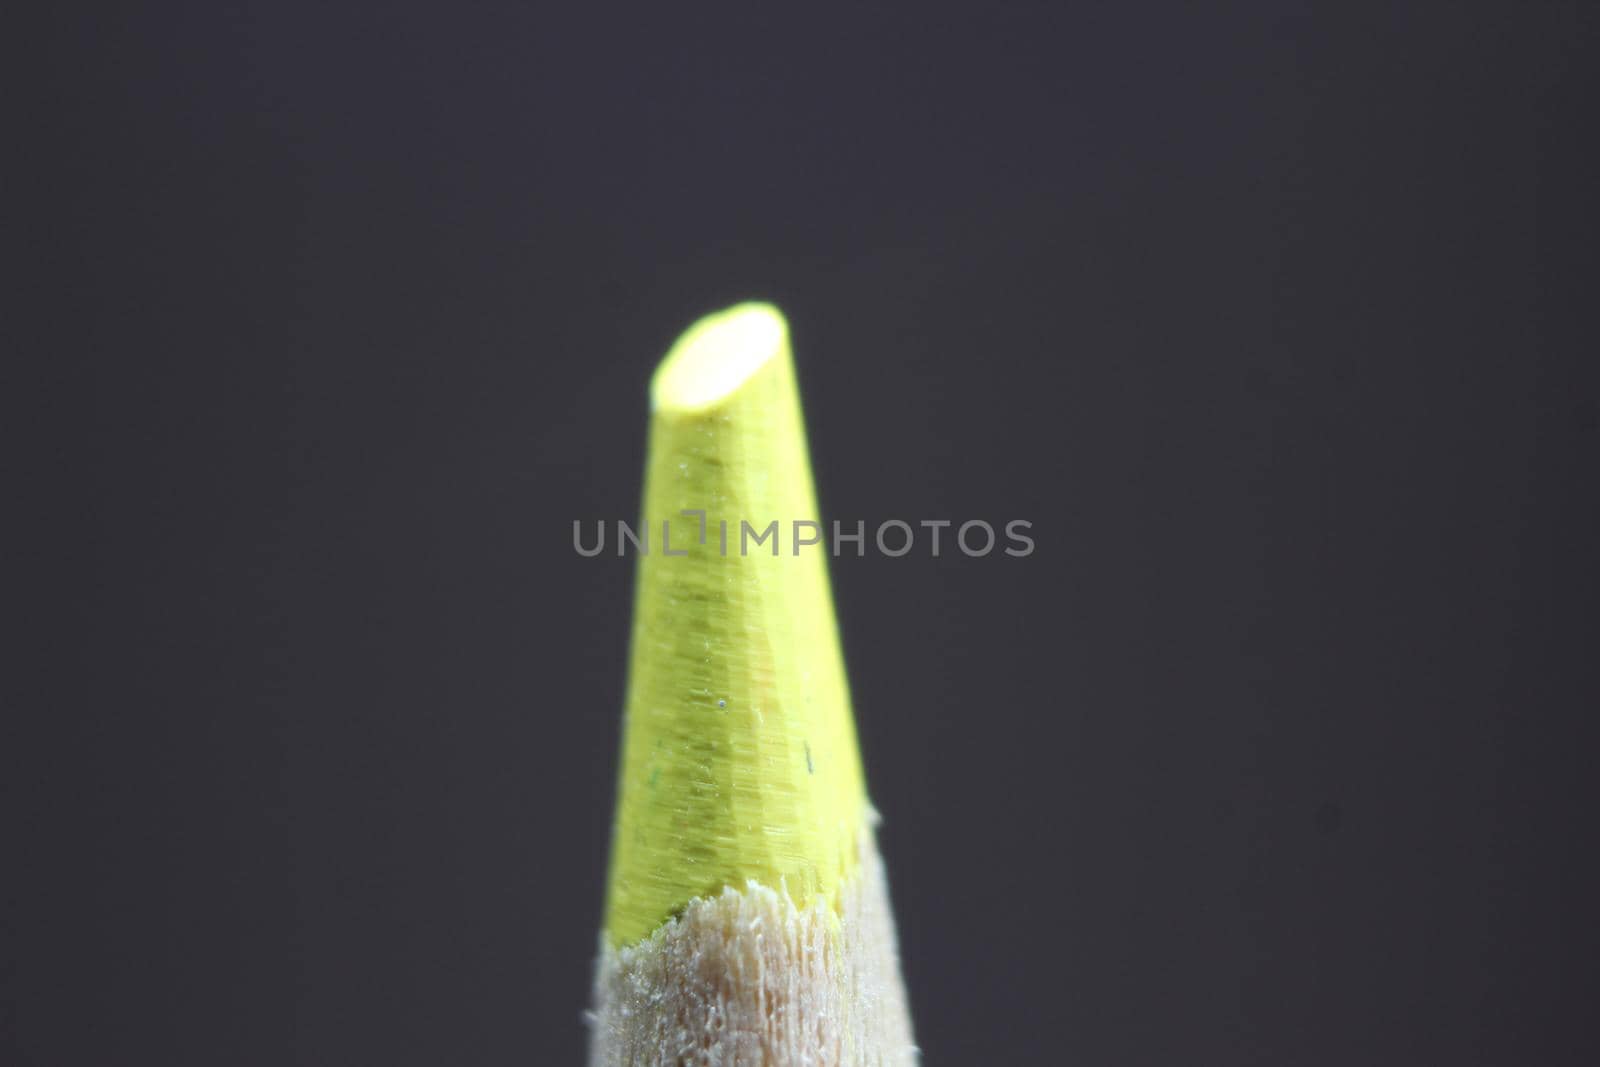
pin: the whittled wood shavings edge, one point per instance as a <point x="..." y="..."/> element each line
<point x="747" y="979"/>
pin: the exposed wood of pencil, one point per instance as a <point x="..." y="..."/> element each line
<point x="747" y="914"/>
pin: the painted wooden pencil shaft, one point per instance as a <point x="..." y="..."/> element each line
<point x="747" y="918"/>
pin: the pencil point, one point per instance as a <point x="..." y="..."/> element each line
<point x="716" y="356"/>
<point x="747" y="912"/>
<point x="739" y="753"/>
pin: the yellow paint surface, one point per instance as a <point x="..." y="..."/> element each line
<point x="739" y="751"/>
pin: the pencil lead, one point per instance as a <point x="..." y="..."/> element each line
<point x="740" y="759"/>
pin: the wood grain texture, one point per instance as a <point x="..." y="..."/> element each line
<point x="747" y="979"/>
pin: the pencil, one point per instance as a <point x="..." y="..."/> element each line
<point x="747" y="918"/>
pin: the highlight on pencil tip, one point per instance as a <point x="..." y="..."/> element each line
<point x="717" y="355"/>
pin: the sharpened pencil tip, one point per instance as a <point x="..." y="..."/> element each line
<point x="716" y="356"/>
<point x="739" y="755"/>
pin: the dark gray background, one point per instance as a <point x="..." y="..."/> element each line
<point x="1273" y="319"/>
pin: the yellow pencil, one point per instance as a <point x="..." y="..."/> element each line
<point x="747" y="918"/>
